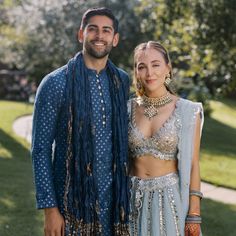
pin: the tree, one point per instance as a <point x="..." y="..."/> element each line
<point x="217" y="37"/>
<point x="49" y="30"/>
<point x="39" y="36"/>
<point x="189" y="30"/>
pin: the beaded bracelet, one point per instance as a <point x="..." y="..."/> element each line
<point x="193" y="219"/>
<point x="196" y="193"/>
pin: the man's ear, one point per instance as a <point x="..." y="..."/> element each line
<point x="116" y="40"/>
<point x="80" y="35"/>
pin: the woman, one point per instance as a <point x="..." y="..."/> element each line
<point x="164" y="141"/>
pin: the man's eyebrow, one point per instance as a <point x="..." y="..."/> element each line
<point x="92" y="25"/>
<point x="108" y="27"/>
<point x="104" y="27"/>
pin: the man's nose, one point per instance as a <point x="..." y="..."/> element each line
<point x="99" y="34"/>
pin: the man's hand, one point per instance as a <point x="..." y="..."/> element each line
<point x="54" y="224"/>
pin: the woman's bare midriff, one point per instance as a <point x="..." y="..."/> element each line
<point x="148" y="167"/>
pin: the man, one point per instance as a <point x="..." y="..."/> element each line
<point x="81" y="107"/>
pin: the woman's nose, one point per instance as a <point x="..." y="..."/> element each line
<point x="149" y="71"/>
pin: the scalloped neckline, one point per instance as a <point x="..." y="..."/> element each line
<point x="156" y="133"/>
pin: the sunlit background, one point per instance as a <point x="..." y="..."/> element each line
<point x="39" y="36"/>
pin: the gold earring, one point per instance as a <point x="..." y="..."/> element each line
<point x="167" y="80"/>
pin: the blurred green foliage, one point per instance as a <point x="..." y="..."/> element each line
<point x="39" y="36"/>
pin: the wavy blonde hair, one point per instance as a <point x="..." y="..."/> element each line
<point x="160" y="48"/>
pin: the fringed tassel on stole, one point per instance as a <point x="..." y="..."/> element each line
<point x="121" y="230"/>
<point x="74" y="227"/>
<point x="71" y="225"/>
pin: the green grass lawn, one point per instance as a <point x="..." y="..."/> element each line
<point x="218" y="149"/>
<point x="18" y="216"/>
<point x="218" y="219"/>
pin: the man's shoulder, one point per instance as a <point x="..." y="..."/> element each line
<point x="58" y="74"/>
<point x="122" y="73"/>
<point x="124" y="77"/>
<point x="54" y="81"/>
<point x="56" y="77"/>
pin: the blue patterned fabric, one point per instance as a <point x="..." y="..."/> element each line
<point x="102" y="114"/>
<point x="50" y="126"/>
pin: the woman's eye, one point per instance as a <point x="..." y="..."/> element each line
<point x="140" y="67"/>
<point x="156" y="65"/>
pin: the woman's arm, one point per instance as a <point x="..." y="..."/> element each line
<point x="193" y="220"/>
<point x="194" y="201"/>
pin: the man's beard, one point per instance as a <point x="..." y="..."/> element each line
<point x="97" y="53"/>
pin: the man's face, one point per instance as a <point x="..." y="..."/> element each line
<point x="98" y="37"/>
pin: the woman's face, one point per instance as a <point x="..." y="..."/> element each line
<point x="151" y="69"/>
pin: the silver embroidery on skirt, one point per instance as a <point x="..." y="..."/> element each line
<point x="158" y="186"/>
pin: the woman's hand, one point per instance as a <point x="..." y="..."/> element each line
<point x="192" y="229"/>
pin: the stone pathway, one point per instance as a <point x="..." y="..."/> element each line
<point x="218" y="193"/>
<point x="23" y="127"/>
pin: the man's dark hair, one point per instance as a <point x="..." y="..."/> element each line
<point x="102" y="11"/>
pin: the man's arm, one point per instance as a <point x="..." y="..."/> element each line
<point x="46" y="112"/>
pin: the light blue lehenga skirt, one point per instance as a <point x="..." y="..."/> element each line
<point x="156" y="206"/>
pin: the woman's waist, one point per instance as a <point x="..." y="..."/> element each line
<point x="149" y="167"/>
<point x="155" y="183"/>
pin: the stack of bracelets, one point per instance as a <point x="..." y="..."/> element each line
<point x="194" y="218"/>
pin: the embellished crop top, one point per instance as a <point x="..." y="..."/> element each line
<point x="162" y="145"/>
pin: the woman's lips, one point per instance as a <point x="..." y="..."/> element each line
<point x="150" y="81"/>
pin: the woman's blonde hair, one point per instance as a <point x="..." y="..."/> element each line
<point x="160" y="48"/>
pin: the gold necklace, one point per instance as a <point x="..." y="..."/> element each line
<point x="151" y="105"/>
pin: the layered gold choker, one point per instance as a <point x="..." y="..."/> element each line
<point x="151" y="105"/>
